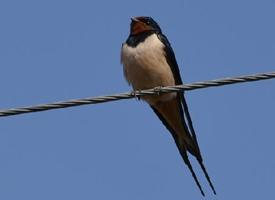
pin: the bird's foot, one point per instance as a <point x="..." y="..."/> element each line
<point x="135" y="94"/>
<point x="158" y="90"/>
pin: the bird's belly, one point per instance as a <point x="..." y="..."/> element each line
<point x="148" y="69"/>
<point x="145" y="73"/>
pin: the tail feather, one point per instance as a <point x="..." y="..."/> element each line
<point x="207" y="176"/>
<point x="172" y="114"/>
<point x="184" y="156"/>
<point x="189" y="120"/>
<point x="181" y="148"/>
<point x="199" y="157"/>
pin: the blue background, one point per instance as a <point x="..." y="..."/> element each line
<point x="59" y="50"/>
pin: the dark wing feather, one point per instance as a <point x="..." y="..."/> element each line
<point x="171" y="60"/>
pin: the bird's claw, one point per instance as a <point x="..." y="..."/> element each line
<point x="135" y="94"/>
<point x="158" y="90"/>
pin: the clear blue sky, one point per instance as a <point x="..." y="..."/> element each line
<point x="59" y="50"/>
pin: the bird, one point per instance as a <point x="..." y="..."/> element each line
<point x="149" y="61"/>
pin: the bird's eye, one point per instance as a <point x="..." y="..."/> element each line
<point x="148" y="22"/>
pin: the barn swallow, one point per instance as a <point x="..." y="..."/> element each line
<point x="149" y="61"/>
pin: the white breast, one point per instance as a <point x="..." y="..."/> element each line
<point x="145" y="65"/>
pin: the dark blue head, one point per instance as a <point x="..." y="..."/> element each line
<point x="144" y="24"/>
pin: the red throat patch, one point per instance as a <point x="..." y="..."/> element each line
<point x="139" y="27"/>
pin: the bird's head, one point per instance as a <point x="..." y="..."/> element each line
<point x="143" y="24"/>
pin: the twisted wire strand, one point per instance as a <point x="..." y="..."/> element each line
<point x="129" y="95"/>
